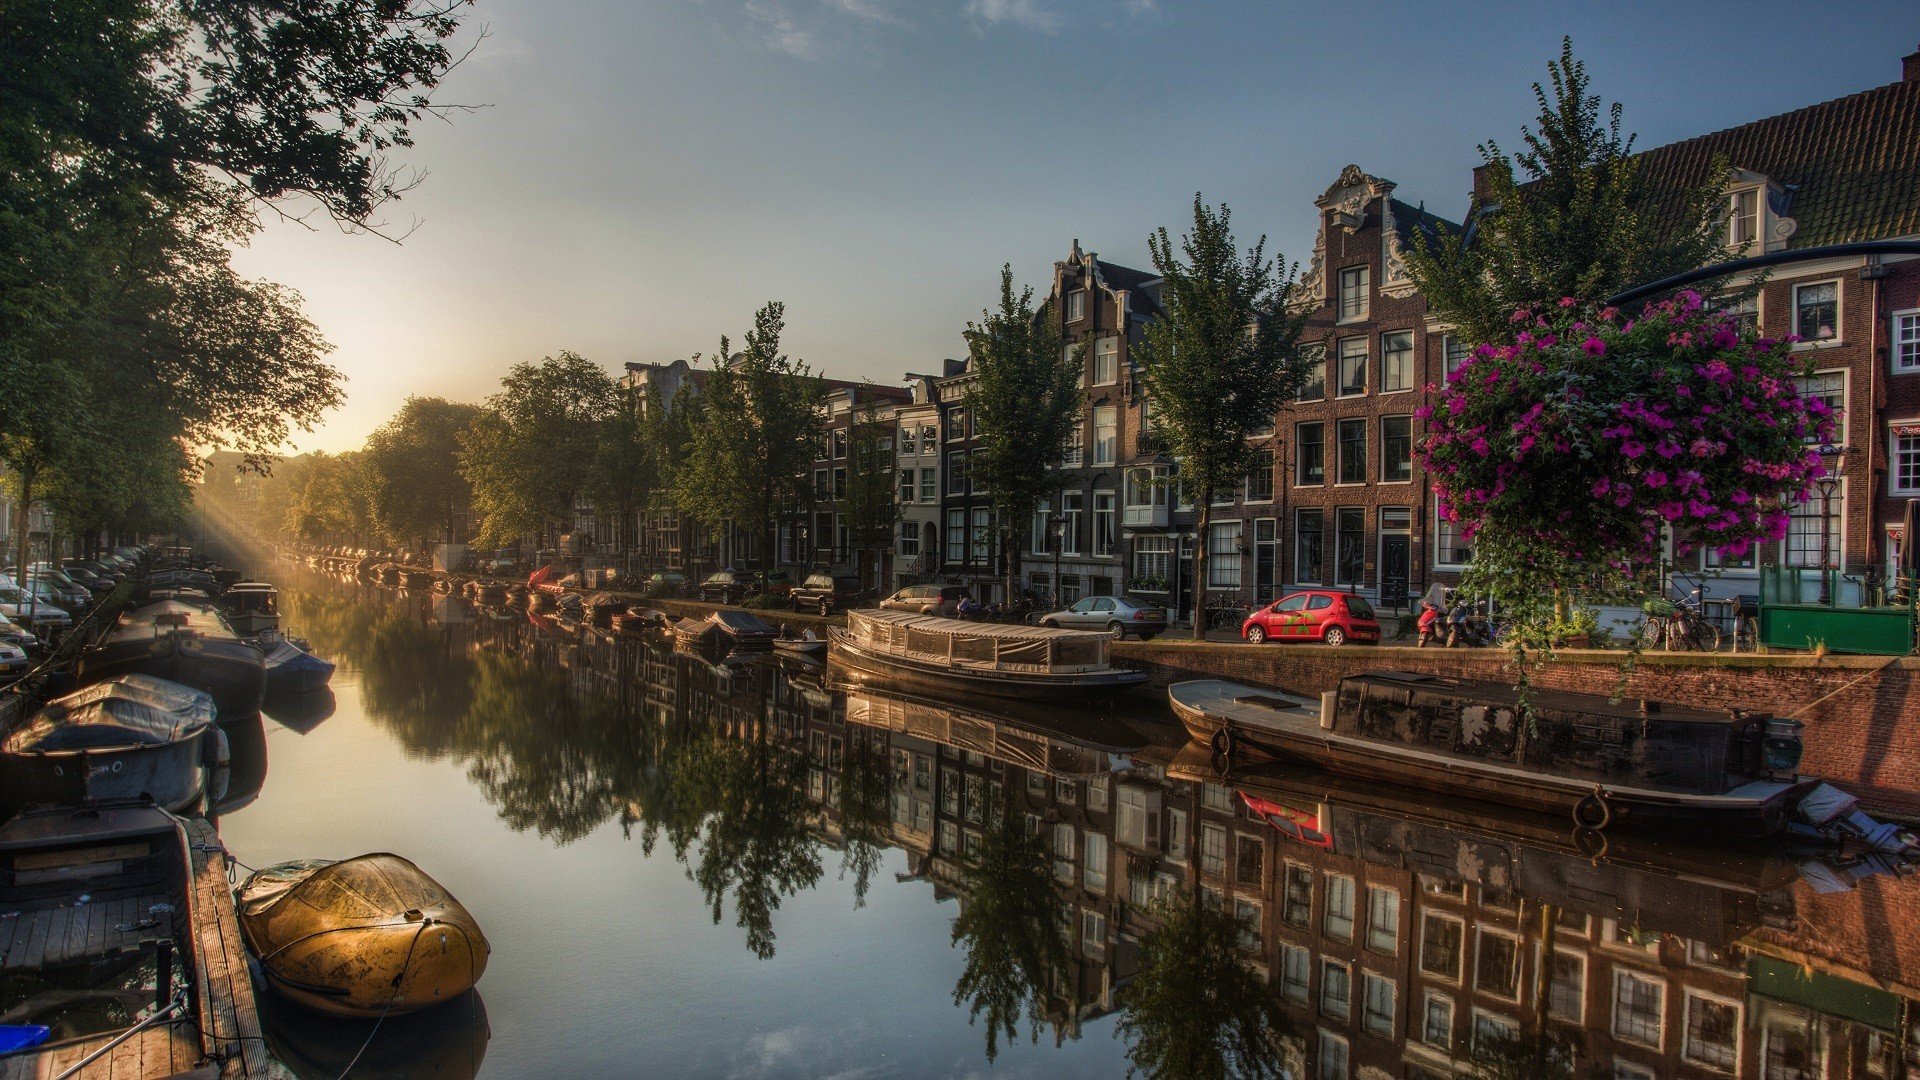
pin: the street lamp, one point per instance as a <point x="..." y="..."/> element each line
<point x="1057" y="534"/>
<point x="1828" y="482"/>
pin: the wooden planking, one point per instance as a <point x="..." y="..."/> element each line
<point x="48" y="937"/>
<point x="230" y="1014"/>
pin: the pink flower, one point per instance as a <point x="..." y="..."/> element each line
<point x="1632" y="449"/>
<point x="1655" y="479"/>
<point x="1568" y="301"/>
<point x="1593" y="346"/>
<point x="1725" y="338"/>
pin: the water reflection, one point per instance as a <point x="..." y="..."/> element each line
<point x="1395" y="935"/>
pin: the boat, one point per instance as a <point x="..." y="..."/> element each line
<point x="368" y="936"/>
<point x="299" y="713"/>
<point x="130" y="737"/>
<point x="745" y="629"/>
<point x="602" y="607"/>
<point x="447" y="1043"/>
<point x="292" y="669"/>
<point x="1636" y="764"/>
<point x="639" y="620"/>
<point x="807" y="644"/>
<point x="697" y="633"/>
<point x="988" y="658"/>
<point x="1059" y="742"/>
<point x="185" y="643"/>
<point x="252" y="608"/>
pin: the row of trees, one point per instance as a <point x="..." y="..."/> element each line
<point x="142" y="140"/>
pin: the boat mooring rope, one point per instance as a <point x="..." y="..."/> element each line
<point x="397" y="980"/>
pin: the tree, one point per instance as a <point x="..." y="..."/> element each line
<point x="529" y="454"/>
<point x="1025" y="401"/>
<point x="870" y="510"/>
<point x="625" y="472"/>
<point x="754" y="437"/>
<point x="1571" y="215"/>
<point x="1196" y="1010"/>
<point x="413" y="461"/>
<point x="1010" y="923"/>
<point x="1219" y="363"/>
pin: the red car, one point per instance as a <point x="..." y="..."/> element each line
<point x="1315" y="615"/>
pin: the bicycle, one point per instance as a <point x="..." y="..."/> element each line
<point x="1678" y="626"/>
<point x="1224" y="617"/>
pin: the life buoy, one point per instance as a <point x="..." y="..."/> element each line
<point x="1592" y="811"/>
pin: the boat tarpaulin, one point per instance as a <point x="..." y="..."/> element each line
<point x="127" y="710"/>
<point x="1025" y="648"/>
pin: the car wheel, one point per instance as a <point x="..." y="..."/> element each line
<point x="1148" y="636"/>
<point x="1049" y="624"/>
<point x="1116" y="631"/>
<point x="1336" y="636"/>
<point x="1257" y="634"/>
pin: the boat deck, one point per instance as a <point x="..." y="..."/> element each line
<point x="55" y="937"/>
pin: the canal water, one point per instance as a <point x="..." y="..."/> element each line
<point x="730" y="868"/>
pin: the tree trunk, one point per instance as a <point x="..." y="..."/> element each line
<point x="1012" y="551"/>
<point x="23" y="518"/>
<point x="1200" y="530"/>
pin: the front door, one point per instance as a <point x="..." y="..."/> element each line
<point x="1266" y="559"/>
<point x="1396" y="557"/>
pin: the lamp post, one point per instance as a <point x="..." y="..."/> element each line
<point x="1827" y="483"/>
<point x="1057" y="535"/>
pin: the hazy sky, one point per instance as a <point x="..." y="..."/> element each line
<point x="645" y="173"/>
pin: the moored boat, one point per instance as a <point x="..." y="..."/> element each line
<point x="989" y="658"/>
<point x="807" y="644"/>
<point x="1635" y="764"/>
<point x="252" y="607"/>
<point x="744" y="629"/>
<point x="184" y="643"/>
<point x="131" y="737"/>
<point x="292" y="669"/>
<point x="365" y="936"/>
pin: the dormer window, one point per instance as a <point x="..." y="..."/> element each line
<point x="1743" y="220"/>
<point x="1076" y="305"/>
<point x="1354" y="282"/>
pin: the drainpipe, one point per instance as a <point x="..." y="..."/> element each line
<point x="1875" y="271"/>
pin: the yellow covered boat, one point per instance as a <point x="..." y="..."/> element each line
<point x="367" y="936"/>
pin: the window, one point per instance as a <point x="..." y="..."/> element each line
<point x="956" y="424"/>
<point x="1260" y="477"/>
<point x="1313" y="386"/>
<point x="1353" y="366"/>
<point x="1491" y="1032"/>
<point x="1906" y="342"/>
<point x="1436" y="1022"/>
<point x="1349" y="545"/>
<point x="838" y="442"/>
<point x="1106" y="434"/>
<point x="1105" y="516"/>
<point x="1904" y="441"/>
<point x="957" y="473"/>
<point x="820" y="487"/>
<point x="1152" y="562"/>
<point x="1567" y="988"/>
<point x="1450" y="548"/>
<point x="1072" y="505"/>
<point x="975" y="476"/>
<point x="1383" y="919"/>
<point x="1816" y="311"/>
<point x="1496" y="967"/>
<point x="1308" y="547"/>
<point x="1093" y="933"/>
<point x="1745" y="310"/>
<point x="1247" y="914"/>
<point x="1396" y="361"/>
<point x="1213" y="850"/>
<point x="1743" y="219"/>
<point x="929" y="485"/>
<point x="906" y="485"/>
<point x="1297" y="897"/>
<point x="1331" y="1062"/>
<point x="1223" y="555"/>
<point x="909" y="539"/>
<point x="1639" y="1007"/>
<point x="1353" y="292"/>
<point x="1337" y="923"/>
<point x="1351" y="436"/>
<point x="1177" y="835"/>
<point x="1097" y="789"/>
<point x="1376" y="1004"/>
<point x="1073" y="451"/>
<point x="839" y="483"/>
<point x="1440" y="946"/>
<point x="1791" y="1045"/>
<point x="1396" y="449"/>
<point x="1336" y="988"/>
<point x="982" y="536"/>
<point x="1249" y="861"/>
<point x="1457" y="350"/>
<point x="929" y="435"/>
<point x="1094" y="866"/>
<point x="1713" y="1032"/>
<point x="1830" y="387"/>
<point x="1295" y="965"/>
<point x="1064" y="836"/>
<point x="956" y="536"/>
<point x="1310" y="442"/>
<point x="1076" y="305"/>
<point x="909" y="444"/>
<point x="1627" y="1070"/>
<point x="1106" y="361"/>
<point x="1802" y="547"/>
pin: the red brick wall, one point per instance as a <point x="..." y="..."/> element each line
<point x="1862" y="714"/>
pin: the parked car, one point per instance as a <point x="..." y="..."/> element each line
<point x="826" y="592"/>
<point x="1326" y="615"/>
<point x="14" y="634"/>
<point x="729" y="586"/>
<point x="776" y="583"/>
<point x="666" y="583"/>
<point x="1117" y="615"/>
<point x="40" y="617"/>
<point x="928" y="599"/>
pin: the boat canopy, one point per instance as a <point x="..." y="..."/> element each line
<point x="126" y="710"/>
<point x="1056" y="753"/>
<point x="992" y="646"/>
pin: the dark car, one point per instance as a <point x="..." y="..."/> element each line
<point x="776" y="583"/>
<point x="729" y="586"/>
<point x="826" y="592"/>
<point x="666" y="583"/>
<point x="928" y="599"/>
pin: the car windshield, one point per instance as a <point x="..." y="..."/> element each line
<point x="1359" y="607"/>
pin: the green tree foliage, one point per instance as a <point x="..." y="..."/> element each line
<point x="1011" y="923"/>
<point x="1570" y="215"/>
<point x="1197" y="1010"/>
<point x="1220" y="362"/>
<point x="531" y="452"/>
<point x="870" y="508"/>
<point x="1025" y="401"/>
<point x="413" y="464"/>
<point x="755" y="435"/>
<point x="335" y="502"/>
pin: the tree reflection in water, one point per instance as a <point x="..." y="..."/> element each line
<point x="1197" y="1009"/>
<point x="1015" y="930"/>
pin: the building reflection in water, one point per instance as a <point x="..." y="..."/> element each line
<point x="1404" y="936"/>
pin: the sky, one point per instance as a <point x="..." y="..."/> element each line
<point x="636" y="177"/>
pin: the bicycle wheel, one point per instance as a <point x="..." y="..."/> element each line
<point x="1705" y="635"/>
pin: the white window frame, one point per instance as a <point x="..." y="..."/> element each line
<point x="1106" y="450"/>
<point x="1845" y="412"/>
<point x="1687" y="998"/>
<point x="1426" y="1006"/>
<point x="1613" y="1014"/>
<point x="1755" y="240"/>
<point x="1413" y="442"/>
<point x="1226" y="569"/>
<point x="1458" y="975"/>
<point x="1412" y="372"/>
<point x="1072" y="505"/>
<point x="1362" y="278"/>
<point x="1340" y="358"/>
<point x="1894" y="487"/>
<point x="1076" y="305"/>
<point x="1839" y="313"/>
<point x="1904" y="332"/>
<point x="1106" y="360"/>
<point x="1106" y="542"/>
<point x="1368" y="980"/>
<point x="1329" y="1040"/>
<point x="1340" y="451"/>
<point x="1581" y="1017"/>
<point x="1838" y="542"/>
<point x="1326" y="907"/>
<point x="1394" y="929"/>
<point x="1327" y="964"/>
<point x="1440" y="529"/>
<point x="1480" y="935"/>
<point x="1299" y="992"/>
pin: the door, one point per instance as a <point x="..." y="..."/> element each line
<point x="1079" y="615"/>
<point x="1266" y="559"/>
<point x="1396" y="557"/>
<point x="1288" y="617"/>
<point x="1319" y="610"/>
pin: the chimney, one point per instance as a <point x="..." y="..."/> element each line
<point x="1910" y="67"/>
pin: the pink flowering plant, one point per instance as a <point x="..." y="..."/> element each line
<point x="1565" y="455"/>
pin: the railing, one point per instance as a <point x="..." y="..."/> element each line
<point x="1144" y="517"/>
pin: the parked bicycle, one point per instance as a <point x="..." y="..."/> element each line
<point x="1681" y="625"/>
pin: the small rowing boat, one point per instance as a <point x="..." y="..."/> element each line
<point x="132" y="737"/>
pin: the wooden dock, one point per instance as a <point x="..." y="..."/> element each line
<point x="221" y="1040"/>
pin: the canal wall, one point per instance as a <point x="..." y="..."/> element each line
<point x="1862" y="714"/>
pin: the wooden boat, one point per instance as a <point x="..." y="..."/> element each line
<point x="292" y="669"/>
<point x="1642" y="765"/>
<point x="601" y="608"/>
<point x="987" y="658"/>
<point x="187" y="644"/>
<point x="132" y="737"/>
<point x="744" y="629"/>
<point x="639" y="620"/>
<point x="365" y="936"/>
<point x="252" y="608"/>
<point x="697" y="633"/>
<point x="807" y="644"/>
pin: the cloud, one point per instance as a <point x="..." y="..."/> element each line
<point x="1027" y="14"/>
<point x="774" y="26"/>
<point x="1142" y="7"/>
<point x="873" y="11"/>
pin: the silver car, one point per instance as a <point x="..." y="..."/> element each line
<point x="1117" y="615"/>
